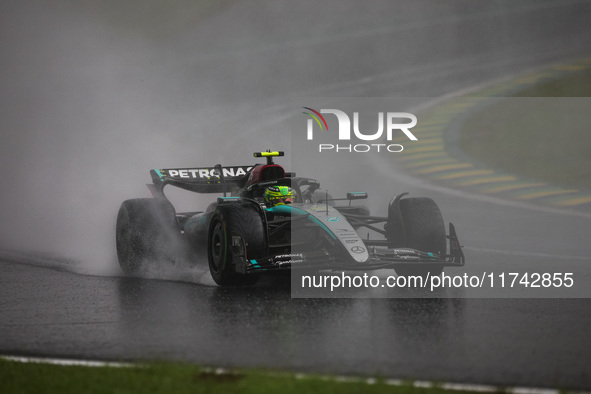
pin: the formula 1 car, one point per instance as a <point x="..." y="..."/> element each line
<point x="244" y="238"/>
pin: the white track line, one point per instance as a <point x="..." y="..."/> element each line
<point x="67" y="362"/>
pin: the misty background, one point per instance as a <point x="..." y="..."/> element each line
<point x="95" y="94"/>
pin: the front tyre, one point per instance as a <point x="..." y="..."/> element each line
<point x="234" y="221"/>
<point x="424" y="230"/>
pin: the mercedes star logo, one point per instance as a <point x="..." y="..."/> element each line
<point x="357" y="249"/>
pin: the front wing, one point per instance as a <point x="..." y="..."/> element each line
<point x="380" y="258"/>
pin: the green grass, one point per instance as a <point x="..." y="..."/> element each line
<point x="541" y="138"/>
<point x="16" y="377"/>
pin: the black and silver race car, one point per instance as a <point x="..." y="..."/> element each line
<point x="244" y="238"/>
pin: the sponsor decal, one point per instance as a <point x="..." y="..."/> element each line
<point x="346" y="233"/>
<point x="288" y="262"/>
<point x="333" y="219"/>
<point x="390" y="122"/>
<point x="201" y="173"/>
<point x="288" y="256"/>
<point x="278" y="260"/>
<point x="410" y="251"/>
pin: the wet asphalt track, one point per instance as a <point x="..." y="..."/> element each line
<point x="243" y="62"/>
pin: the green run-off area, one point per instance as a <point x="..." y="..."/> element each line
<point x="16" y="377"/>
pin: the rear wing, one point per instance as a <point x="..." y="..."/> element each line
<point x="216" y="179"/>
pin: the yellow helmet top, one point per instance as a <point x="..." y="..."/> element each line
<point x="278" y="195"/>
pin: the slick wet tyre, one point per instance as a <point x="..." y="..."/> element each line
<point x="147" y="235"/>
<point x="230" y="221"/>
<point x="424" y="230"/>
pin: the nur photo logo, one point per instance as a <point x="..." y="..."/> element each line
<point x="389" y="123"/>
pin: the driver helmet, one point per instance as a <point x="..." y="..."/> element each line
<point x="278" y="195"/>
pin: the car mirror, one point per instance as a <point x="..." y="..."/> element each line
<point x="357" y="196"/>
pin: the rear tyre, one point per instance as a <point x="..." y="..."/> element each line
<point x="424" y="230"/>
<point x="147" y="235"/>
<point x="228" y="221"/>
